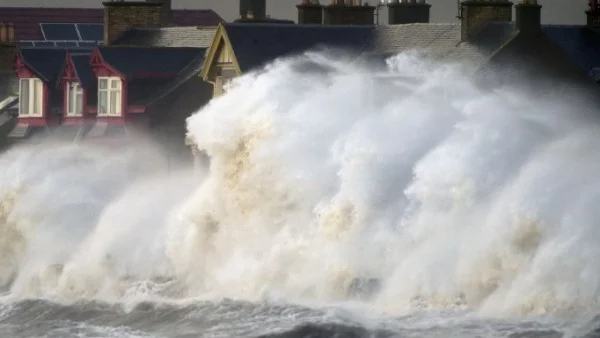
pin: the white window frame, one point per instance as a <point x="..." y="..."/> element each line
<point x="33" y="106"/>
<point x="74" y="95"/>
<point x="111" y="94"/>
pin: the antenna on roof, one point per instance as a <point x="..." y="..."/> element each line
<point x="459" y="15"/>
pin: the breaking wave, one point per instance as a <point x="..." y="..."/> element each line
<point x="325" y="172"/>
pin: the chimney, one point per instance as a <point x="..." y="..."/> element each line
<point x="408" y="11"/>
<point x="166" y="11"/>
<point x="258" y="9"/>
<point x="120" y="16"/>
<point x="476" y="14"/>
<point x="10" y="34"/>
<point x="8" y="48"/>
<point x="528" y="17"/>
<point x="349" y="12"/>
<point x="310" y="12"/>
<point x="3" y="33"/>
<point x="593" y="14"/>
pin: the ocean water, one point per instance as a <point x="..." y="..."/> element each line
<point x="466" y="212"/>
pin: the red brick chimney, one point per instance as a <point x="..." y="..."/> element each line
<point x="120" y="16"/>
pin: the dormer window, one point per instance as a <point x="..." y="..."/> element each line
<point x="74" y="99"/>
<point x="109" y="96"/>
<point x="31" y="91"/>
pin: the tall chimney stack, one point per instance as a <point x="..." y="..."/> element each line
<point x="408" y="11"/>
<point x="166" y="11"/>
<point x="348" y="12"/>
<point x="258" y="8"/>
<point x="528" y="17"/>
<point x="310" y="12"/>
<point x="593" y="14"/>
<point x="120" y="16"/>
<point x="476" y="14"/>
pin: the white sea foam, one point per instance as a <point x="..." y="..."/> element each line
<point x="324" y="170"/>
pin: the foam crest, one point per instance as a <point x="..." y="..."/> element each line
<point x="324" y="170"/>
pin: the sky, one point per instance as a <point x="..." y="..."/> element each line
<point x="553" y="11"/>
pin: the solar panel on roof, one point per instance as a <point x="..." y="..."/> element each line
<point x="59" y="31"/>
<point x="87" y="44"/>
<point x="66" y="44"/>
<point x="44" y="44"/>
<point x="92" y="32"/>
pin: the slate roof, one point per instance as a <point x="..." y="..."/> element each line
<point x="190" y="71"/>
<point x="442" y="41"/>
<point x="83" y="68"/>
<point x="132" y="61"/>
<point x="256" y="44"/>
<point x="195" y="36"/>
<point x="46" y="63"/>
<point x="141" y="91"/>
<point x="580" y="43"/>
<point x="27" y="19"/>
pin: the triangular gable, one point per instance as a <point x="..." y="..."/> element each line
<point x="23" y="68"/>
<point x="100" y="67"/>
<point x="220" y="40"/>
<point x="67" y="71"/>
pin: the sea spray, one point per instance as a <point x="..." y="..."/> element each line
<point x="448" y="193"/>
<point x="56" y="197"/>
<point x="324" y="171"/>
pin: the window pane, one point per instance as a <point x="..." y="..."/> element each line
<point x="38" y="92"/>
<point x="79" y="102"/>
<point x="115" y="84"/>
<point x="102" y="102"/>
<point x="119" y="104"/>
<point x="102" y="83"/>
<point x="24" y="98"/>
<point x="113" y="104"/>
<point x="71" y="98"/>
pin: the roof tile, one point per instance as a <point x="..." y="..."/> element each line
<point x="135" y="60"/>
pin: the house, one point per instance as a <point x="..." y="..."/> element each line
<point x="82" y="28"/>
<point x="486" y="39"/>
<point x="101" y="96"/>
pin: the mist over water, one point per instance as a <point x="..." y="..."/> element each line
<point x="323" y="169"/>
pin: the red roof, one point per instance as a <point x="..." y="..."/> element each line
<point x="27" y="19"/>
